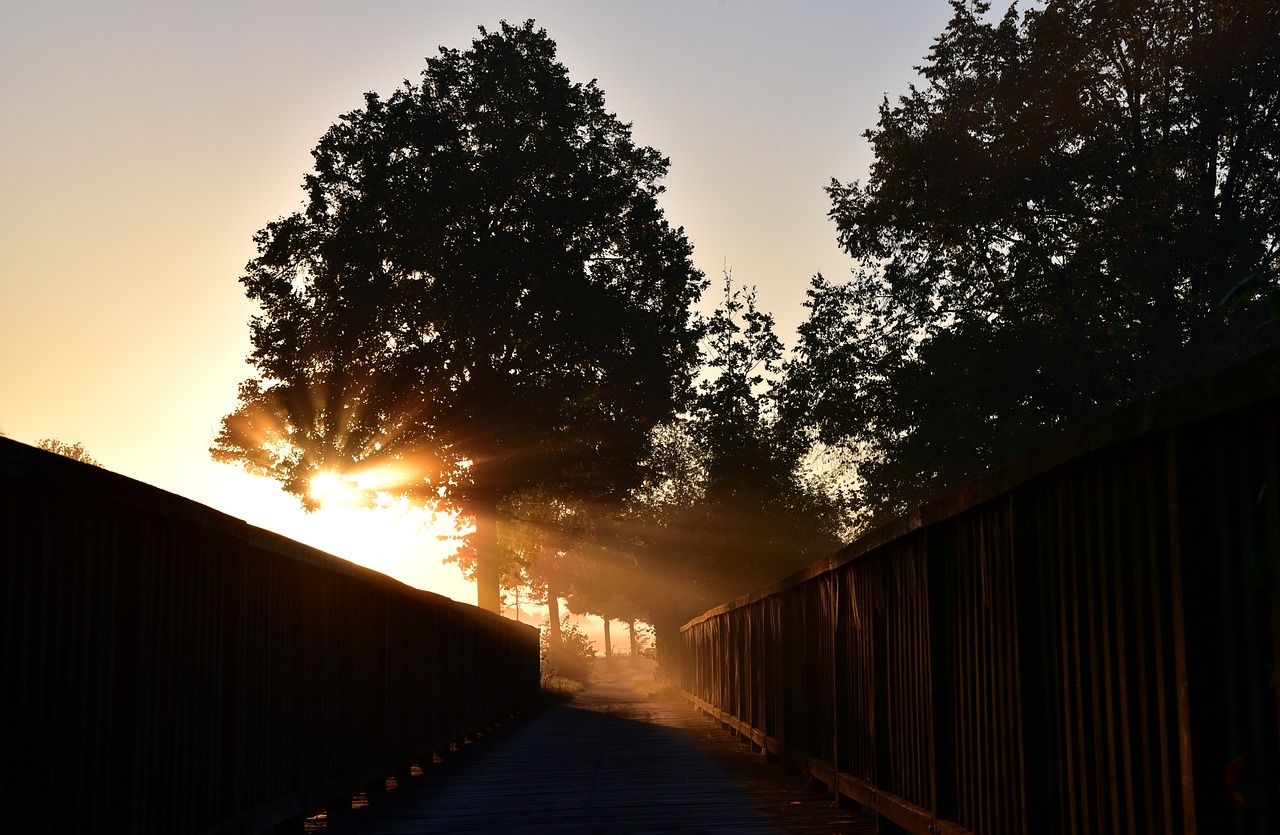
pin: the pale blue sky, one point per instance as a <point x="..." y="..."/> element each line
<point x="144" y="142"/>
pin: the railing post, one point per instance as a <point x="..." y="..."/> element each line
<point x="942" y="577"/>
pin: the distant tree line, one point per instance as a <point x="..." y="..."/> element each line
<point x="482" y="307"/>
<point x="74" y="451"/>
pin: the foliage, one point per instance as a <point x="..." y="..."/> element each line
<point x="606" y="574"/>
<point x="573" y="658"/>
<point x="74" y="451"/>
<point x="539" y="541"/>
<point x="1049" y="225"/>
<point x="553" y="550"/>
<point x="1254" y="289"/>
<point x="556" y="688"/>
<point x="480" y="296"/>
<point x="645" y="647"/>
<point x="744" y="512"/>
<point x="531" y="524"/>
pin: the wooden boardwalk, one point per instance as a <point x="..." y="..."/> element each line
<point x="609" y="761"/>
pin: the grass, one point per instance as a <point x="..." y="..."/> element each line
<point x="658" y="686"/>
<point x="560" y="689"/>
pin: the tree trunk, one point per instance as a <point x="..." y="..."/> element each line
<point x="608" y="644"/>
<point x="488" y="596"/>
<point x="631" y="630"/>
<point x="553" y="617"/>
<point x="666" y="632"/>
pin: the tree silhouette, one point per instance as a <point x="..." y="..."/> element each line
<point x="481" y="296"/>
<point x="74" y="451"/>
<point x="539" y="536"/>
<point x="730" y="508"/>
<point x="1048" y="228"/>
<point x="608" y="576"/>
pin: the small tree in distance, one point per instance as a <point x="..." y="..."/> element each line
<point x="75" y="451"/>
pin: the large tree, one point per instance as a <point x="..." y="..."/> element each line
<point x="1049" y="226"/>
<point x="481" y="295"/>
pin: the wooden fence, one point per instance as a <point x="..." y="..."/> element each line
<point x="169" y="669"/>
<point x="1084" y="641"/>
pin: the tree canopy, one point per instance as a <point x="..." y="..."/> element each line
<point x="481" y="295"/>
<point x="1050" y="224"/>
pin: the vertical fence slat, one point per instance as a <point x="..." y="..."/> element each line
<point x="170" y="669"/>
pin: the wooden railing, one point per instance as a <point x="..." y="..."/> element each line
<point x="169" y="669"/>
<point x="1084" y="641"/>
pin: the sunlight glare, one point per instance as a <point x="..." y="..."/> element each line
<point x="396" y="538"/>
<point x="329" y="488"/>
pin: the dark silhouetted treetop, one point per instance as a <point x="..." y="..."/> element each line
<point x="481" y="284"/>
<point x="1049" y="225"/>
<point x="75" y="451"/>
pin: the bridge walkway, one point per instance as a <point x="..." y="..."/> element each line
<point x="611" y="760"/>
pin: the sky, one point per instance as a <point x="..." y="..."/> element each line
<point x="144" y="142"/>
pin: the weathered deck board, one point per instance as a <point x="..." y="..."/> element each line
<point x="608" y="762"/>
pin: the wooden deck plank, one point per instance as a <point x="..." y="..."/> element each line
<point x="610" y="761"/>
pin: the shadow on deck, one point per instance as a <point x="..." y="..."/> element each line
<point x="611" y="761"/>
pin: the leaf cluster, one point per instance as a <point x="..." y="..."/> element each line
<point x="74" y="451"/>
<point x="1048" y="227"/>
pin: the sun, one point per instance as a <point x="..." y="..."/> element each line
<point x="397" y="538"/>
<point x="330" y="488"/>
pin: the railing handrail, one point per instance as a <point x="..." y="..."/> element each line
<point x="41" y="468"/>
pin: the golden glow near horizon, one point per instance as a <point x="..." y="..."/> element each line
<point x="394" y="537"/>
<point x="130" y="204"/>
